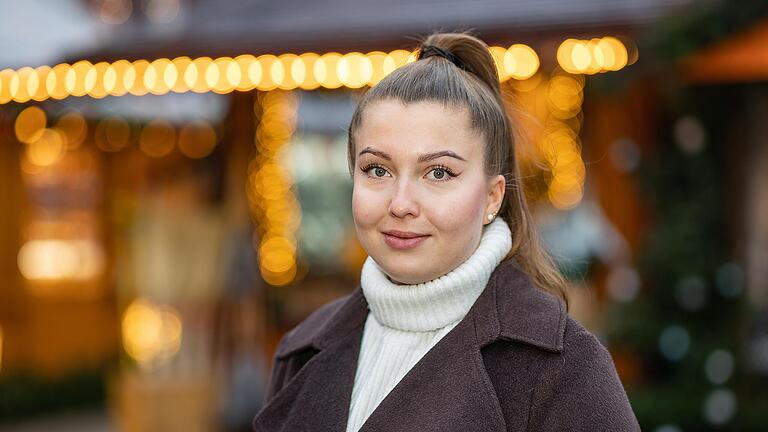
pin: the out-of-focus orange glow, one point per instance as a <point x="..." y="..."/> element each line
<point x="155" y="78"/>
<point x="59" y="259"/>
<point x="97" y="89"/>
<point x="354" y="70"/>
<point x="268" y="188"/>
<point x="112" y="134"/>
<point x="521" y="62"/>
<point x="5" y="85"/>
<point x="292" y="67"/>
<point x="377" y="59"/>
<point x="48" y="149"/>
<point x="197" y="139"/>
<point x="592" y="56"/>
<point x="151" y="333"/>
<point x="80" y="78"/>
<point x="267" y="72"/>
<point x="138" y="70"/>
<point x="18" y="85"/>
<point x="326" y="70"/>
<point x="30" y="124"/>
<point x="178" y="83"/>
<point x="158" y="138"/>
<point x="115" y="82"/>
<point x="74" y="127"/>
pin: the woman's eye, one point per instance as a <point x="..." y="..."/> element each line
<point x="441" y="174"/>
<point x="375" y="171"/>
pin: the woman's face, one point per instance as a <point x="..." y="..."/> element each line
<point x="419" y="171"/>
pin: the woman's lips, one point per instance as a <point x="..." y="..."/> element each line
<point x="403" y="243"/>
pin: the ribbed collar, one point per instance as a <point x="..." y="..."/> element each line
<point x="434" y="304"/>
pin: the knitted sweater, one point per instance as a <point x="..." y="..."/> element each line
<point x="406" y="321"/>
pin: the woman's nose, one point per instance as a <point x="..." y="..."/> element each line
<point x="403" y="202"/>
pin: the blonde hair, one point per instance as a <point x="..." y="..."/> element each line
<point x="474" y="85"/>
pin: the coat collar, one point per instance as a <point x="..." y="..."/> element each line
<point x="510" y="308"/>
<point x="433" y="394"/>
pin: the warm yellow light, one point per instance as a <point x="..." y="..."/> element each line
<point x="5" y="85"/>
<point x="48" y="149"/>
<point x="564" y="55"/>
<point x="255" y="73"/>
<point x="74" y="127"/>
<point x="36" y="83"/>
<point x="97" y="90"/>
<point x="139" y="68"/>
<point x="310" y="81"/>
<point x="565" y="199"/>
<point x="326" y="70"/>
<point x="613" y="53"/>
<point x="498" y="53"/>
<point x="155" y="76"/>
<point x="151" y="333"/>
<point x="41" y="93"/>
<point x="157" y="139"/>
<point x="232" y="74"/>
<point x="112" y="134"/>
<point x="287" y="62"/>
<point x="298" y="71"/>
<point x="266" y="80"/>
<point x="565" y="96"/>
<point x="581" y="57"/>
<point x="54" y="82"/>
<point x="377" y="59"/>
<point x="60" y="259"/>
<point x="30" y="124"/>
<point x="277" y="73"/>
<point x="79" y="78"/>
<point x="395" y="59"/>
<point x="197" y="139"/>
<point x="244" y="64"/>
<point x="179" y="67"/>
<point x="521" y="61"/>
<point x="19" y="84"/>
<point x="114" y="78"/>
<point x="195" y="76"/>
<point x="354" y="70"/>
<point x="217" y="75"/>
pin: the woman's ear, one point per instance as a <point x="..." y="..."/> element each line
<point x="496" y="189"/>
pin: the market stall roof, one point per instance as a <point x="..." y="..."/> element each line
<point x="739" y="58"/>
<point x="232" y="27"/>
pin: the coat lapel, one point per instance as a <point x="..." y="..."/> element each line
<point x="318" y="397"/>
<point x="448" y="389"/>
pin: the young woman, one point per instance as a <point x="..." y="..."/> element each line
<point x="460" y="320"/>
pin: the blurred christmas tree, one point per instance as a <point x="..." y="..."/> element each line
<point x="687" y="325"/>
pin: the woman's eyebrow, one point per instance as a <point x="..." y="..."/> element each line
<point x="438" y="154"/>
<point x="378" y="153"/>
<point x="422" y="157"/>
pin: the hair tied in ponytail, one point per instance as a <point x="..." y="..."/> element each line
<point x="434" y="50"/>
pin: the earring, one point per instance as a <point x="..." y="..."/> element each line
<point x="491" y="215"/>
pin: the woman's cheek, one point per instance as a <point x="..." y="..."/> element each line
<point x="459" y="211"/>
<point x="365" y="204"/>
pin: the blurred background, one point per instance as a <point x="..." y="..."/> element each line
<point x="174" y="194"/>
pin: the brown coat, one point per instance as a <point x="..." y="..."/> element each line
<point x="516" y="362"/>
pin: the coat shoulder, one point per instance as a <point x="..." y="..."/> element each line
<point x="580" y="388"/>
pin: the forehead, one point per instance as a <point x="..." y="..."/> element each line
<point x="410" y="129"/>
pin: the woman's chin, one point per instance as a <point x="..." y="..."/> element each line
<point x="407" y="276"/>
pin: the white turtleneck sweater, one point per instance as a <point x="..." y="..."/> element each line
<point x="406" y="321"/>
